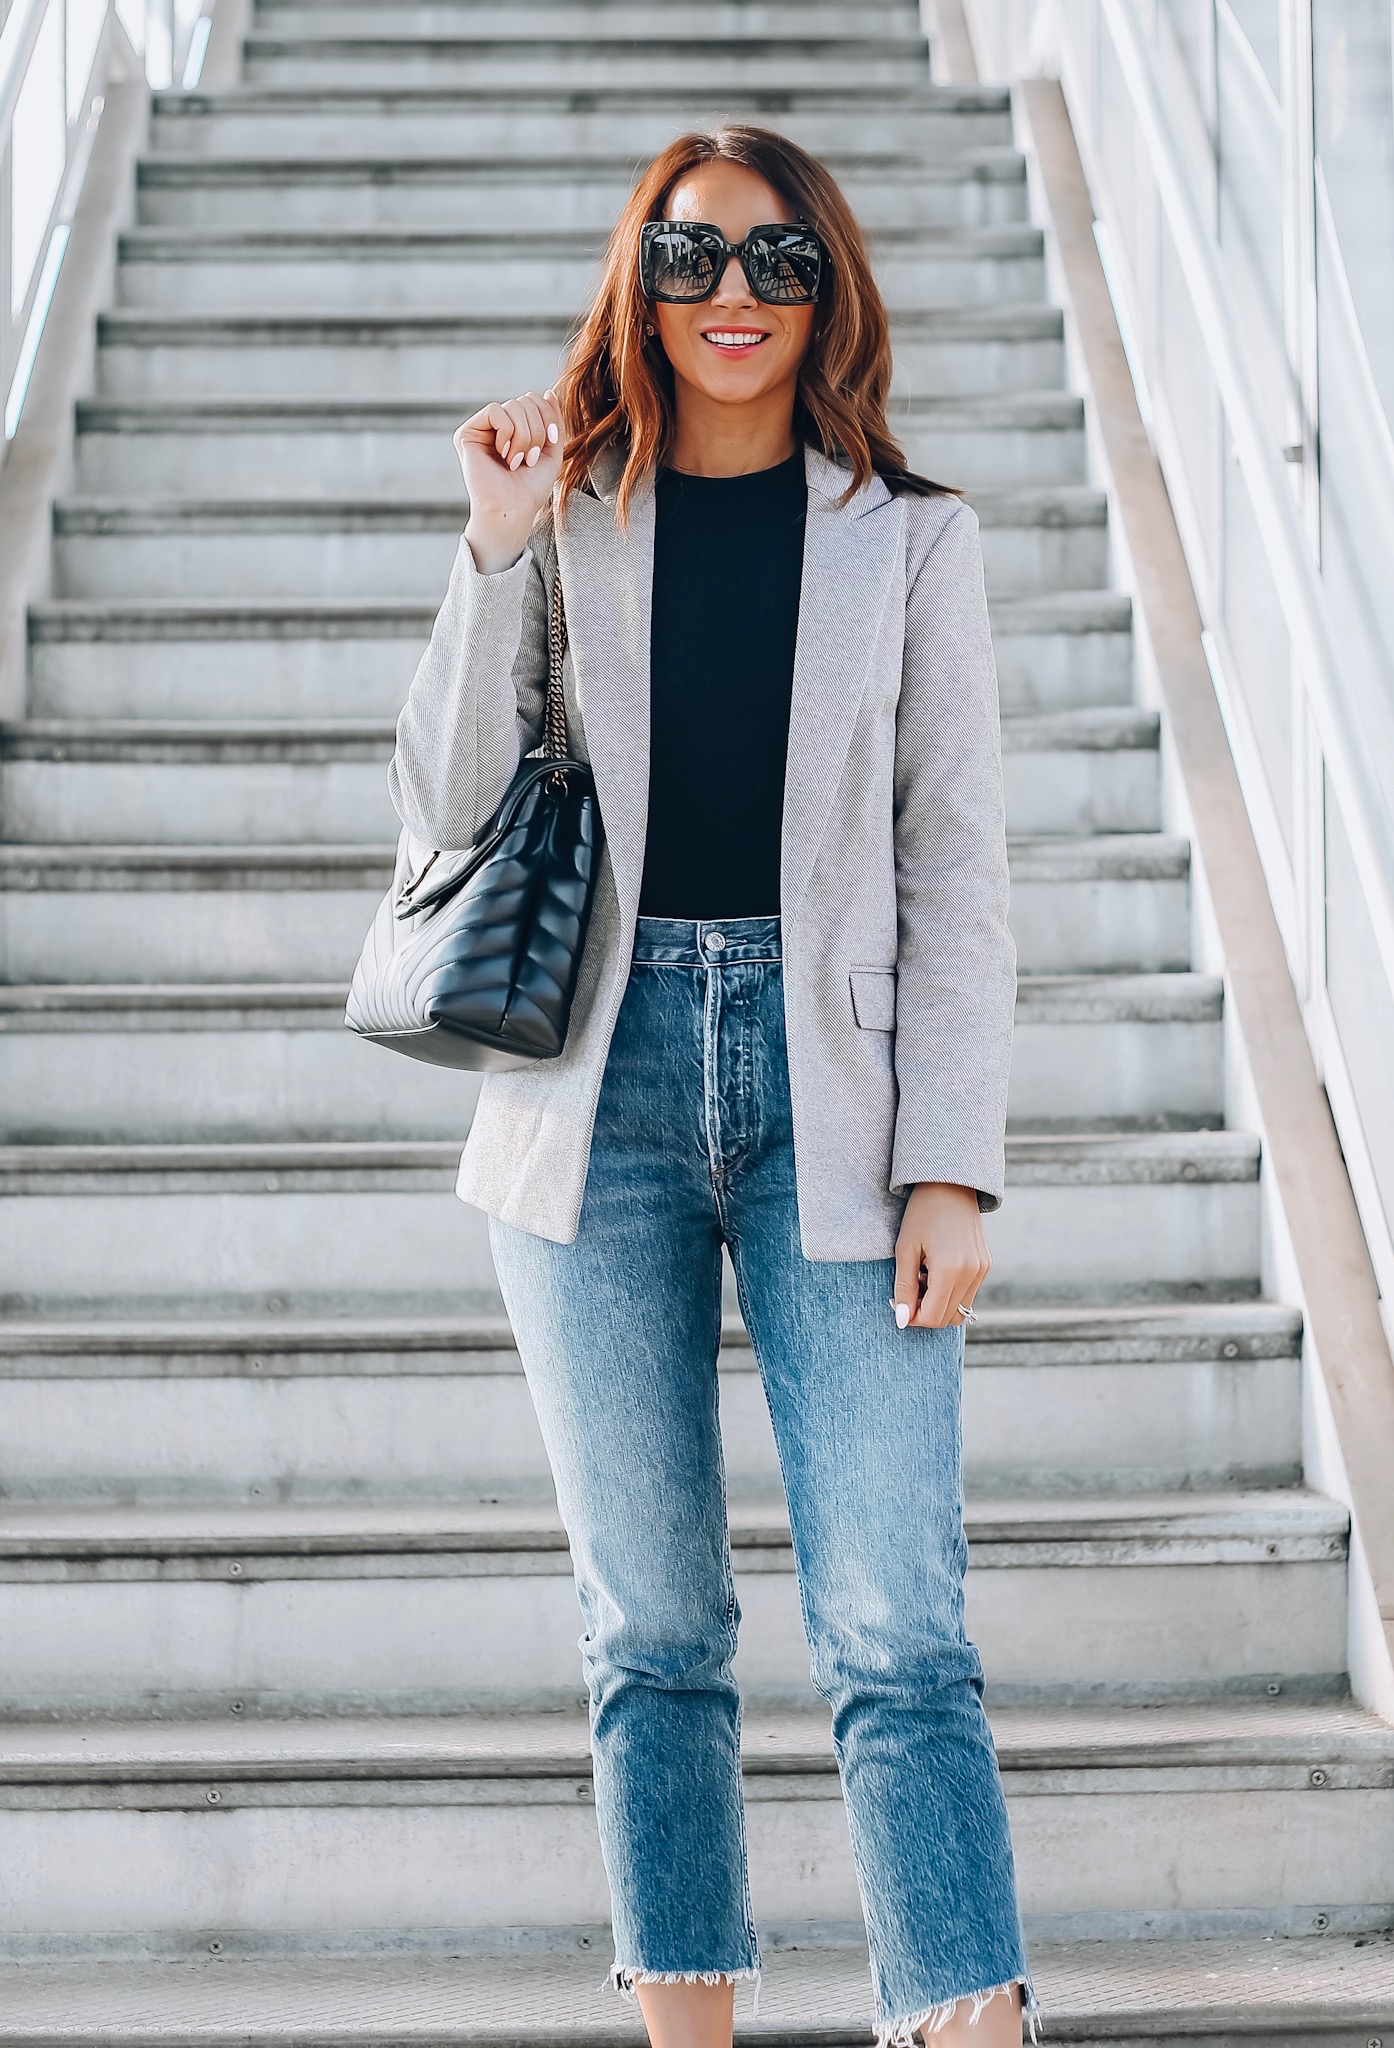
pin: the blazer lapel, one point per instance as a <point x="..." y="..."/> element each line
<point x="607" y="575"/>
<point x="850" y="554"/>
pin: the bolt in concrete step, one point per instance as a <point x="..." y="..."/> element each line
<point x="1054" y="1401"/>
<point x="1105" y="904"/>
<point x="963" y="188"/>
<point x="130" y="781"/>
<point x="801" y="58"/>
<point x="1032" y="540"/>
<point x="949" y="351"/>
<point x="840" y="119"/>
<point x="221" y="1062"/>
<point x="429" y="1607"/>
<point x="182" y="658"/>
<point x="402" y="448"/>
<point x="435" y="270"/>
<point x="487" y="1823"/>
<point x="340" y="1227"/>
<point x="1324" y="1991"/>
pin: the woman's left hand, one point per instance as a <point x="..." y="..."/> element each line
<point x="941" y="1231"/>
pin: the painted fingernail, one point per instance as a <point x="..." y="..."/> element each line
<point x="504" y="447"/>
<point x="533" y="454"/>
<point x="902" y="1314"/>
<point x="552" y="430"/>
<point x="516" y="459"/>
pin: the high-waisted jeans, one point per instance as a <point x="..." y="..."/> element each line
<point x="618" y="1334"/>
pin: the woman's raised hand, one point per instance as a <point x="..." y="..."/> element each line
<point x="511" y="456"/>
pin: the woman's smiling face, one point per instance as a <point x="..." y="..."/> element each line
<point x="733" y="348"/>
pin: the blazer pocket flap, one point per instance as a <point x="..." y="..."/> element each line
<point x="873" y="997"/>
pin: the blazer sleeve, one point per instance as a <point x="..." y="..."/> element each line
<point x="477" y="701"/>
<point x="956" y="984"/>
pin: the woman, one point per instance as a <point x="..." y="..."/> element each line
<point x="791" y="1036"/>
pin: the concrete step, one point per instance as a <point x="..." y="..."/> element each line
<point x="487" y="1823"/>
<point x="1055" y="1401"/>
<point x="440" y="1607"/>
<point x="802" y="56"/>
<point x="1034" y="540"/>
<point x="371" y="1226"/>
<point x="948" y="351"/>
<point x="614" y="21"/>
<point x="236" y="1063"/>
<point x="834" y="119"/>
<point x="1108" y="903"/>
<point x="1117" y="1052"/>
<point x="402" y="448"/>
<point x="932" y="188"/>
<point x="1075" y="772"/>
<point x="134" y="780"/>
<point x="131" y="781"/>
<point x="1324" y="1991"/>
<point x="1069" y="898"/>
<point x="529" y="17"/>
<point x="400" y="270"/>
<point x="186" y="658"/>
<point x="211" y="1063"/>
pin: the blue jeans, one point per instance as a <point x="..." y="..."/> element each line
<point x="618" y="1334"/>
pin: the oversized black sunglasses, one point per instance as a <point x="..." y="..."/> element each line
<point x="683" y="261"/>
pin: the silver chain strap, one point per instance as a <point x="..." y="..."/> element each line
<point x="554" y="744"/>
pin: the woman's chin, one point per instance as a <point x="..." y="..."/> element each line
<point x="732" y="383"/>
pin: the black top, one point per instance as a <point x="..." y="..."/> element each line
<point x="727" y="566"/>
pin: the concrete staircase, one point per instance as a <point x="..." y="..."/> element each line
<point x="293" y="1747"/>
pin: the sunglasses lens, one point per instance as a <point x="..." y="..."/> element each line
<point x="677" y="262"/>
<point x="785" y="269"/>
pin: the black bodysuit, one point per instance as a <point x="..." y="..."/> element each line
<point x="728" y="563"/>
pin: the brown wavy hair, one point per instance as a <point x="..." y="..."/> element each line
<point x="616" y="391"/>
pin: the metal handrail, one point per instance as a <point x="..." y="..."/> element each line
<point x="17" y="40"/>
<point x="24" y="301"/>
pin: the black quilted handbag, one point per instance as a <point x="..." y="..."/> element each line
<point x="473" y="956"/>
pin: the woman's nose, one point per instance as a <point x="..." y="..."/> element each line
<point x="735" y="285"/>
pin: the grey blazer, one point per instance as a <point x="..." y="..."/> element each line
<point x="899" y="969"/>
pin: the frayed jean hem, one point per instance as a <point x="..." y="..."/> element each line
<point x="893" y="2033"/>
<point x="623" y="1978"/>
<point x="905" y="2033"/>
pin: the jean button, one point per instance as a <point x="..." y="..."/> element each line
<point x="714" y="941"/>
